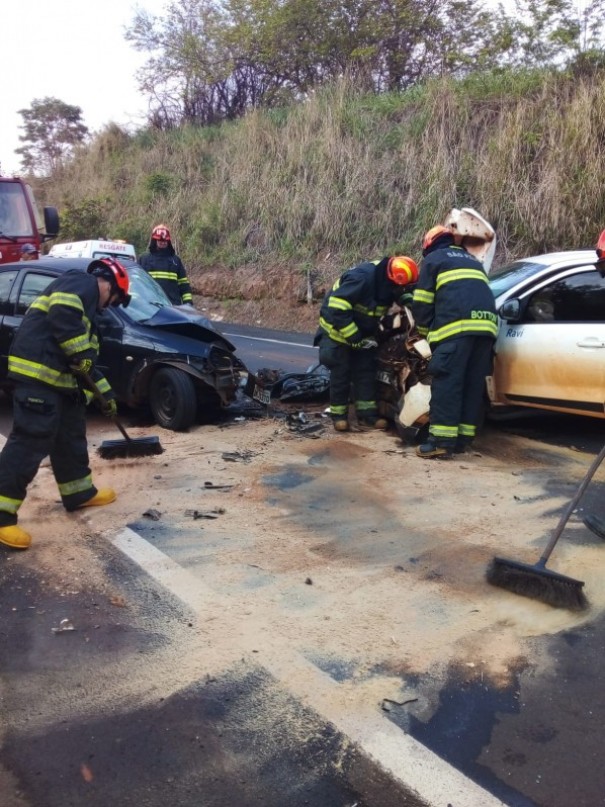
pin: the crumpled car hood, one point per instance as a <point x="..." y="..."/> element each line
<point x="187" y="322"/>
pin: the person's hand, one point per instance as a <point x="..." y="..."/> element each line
<point x="109" y="408"/>
<point x="82" y="366"/>
<point x="364" y="344"/>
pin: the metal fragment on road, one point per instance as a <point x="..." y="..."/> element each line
<point x="64" y="625"/>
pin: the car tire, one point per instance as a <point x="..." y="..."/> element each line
<point x="172" y="399"/>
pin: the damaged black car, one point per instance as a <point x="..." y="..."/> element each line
<point x="168" y="360"/>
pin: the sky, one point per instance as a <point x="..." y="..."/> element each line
<point x="73" y="50"/>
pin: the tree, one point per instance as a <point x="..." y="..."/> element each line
<point x="52" y="129"/>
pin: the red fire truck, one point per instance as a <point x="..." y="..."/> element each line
<point x="20" y="219"/>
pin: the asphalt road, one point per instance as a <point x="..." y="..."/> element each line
<point x="227" y="741"/>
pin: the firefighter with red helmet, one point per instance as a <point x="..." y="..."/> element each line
<point x="454" y="308"/>
<point x="348" y="324"/>
<point x="165" y="266"/>
<point x="56" y="340"/>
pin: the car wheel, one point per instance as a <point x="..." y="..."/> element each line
<point x="172" y="399"/>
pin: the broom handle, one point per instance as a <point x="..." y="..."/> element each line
<point x="570" y="508"/>
<point x="101" y="399"/>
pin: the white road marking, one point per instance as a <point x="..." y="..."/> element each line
<point x="409" y="762"/>
<point x="263" y="339"/>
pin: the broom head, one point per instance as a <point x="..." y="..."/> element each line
<point x="538" y="583"/>
<point x="133" y="447"/>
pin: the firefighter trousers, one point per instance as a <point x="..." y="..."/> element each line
<point x="458" y="368"/>
<point x="350" y="367"/>
<point x="45" y="423"/>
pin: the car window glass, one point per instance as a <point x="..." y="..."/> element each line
<point x="147" y="296"/>
<point x="33" y="285"/>
<point x="575" y="298"/>
<point x="6" y="283"/>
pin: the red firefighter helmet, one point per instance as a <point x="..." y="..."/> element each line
<point x="112" y="270"/>
<point x="161" y="233"/>
<point x="433" y="234"/>
<point x="601" y="245"/>
<point x="402" y="270"/>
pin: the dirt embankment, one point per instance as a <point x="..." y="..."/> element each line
<point x="272" y="297"/>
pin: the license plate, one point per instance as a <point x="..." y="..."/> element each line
<point x="261" y="395"/>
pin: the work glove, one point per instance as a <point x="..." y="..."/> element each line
<point x="82" y="366"/>
<point x="364" y="344"/>
<point x="109" y="408"/>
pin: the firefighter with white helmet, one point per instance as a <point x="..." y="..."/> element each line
<point x="454" y="308"/>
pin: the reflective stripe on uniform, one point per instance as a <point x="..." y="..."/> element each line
<point x="465" y="326"/>
<point x="422" y="296"/>
<point x="466" y="430"/>
<point x="460" y="274"/>
<point x="77" y="486"/>
<point x="447" y="432"/>
<point x="362" y="406"/>
<point x="339" y="304"/>
<point x="39" y="372"/>
<point x="10" y="505"/>
<point x="342" y="336"/>
<point x="157" y="275"/>
<point x="44" y="302"/>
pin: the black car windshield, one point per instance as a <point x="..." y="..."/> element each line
<point x="147" y="295"/>
<point x="504" y="278"/>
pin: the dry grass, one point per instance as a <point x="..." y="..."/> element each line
<point x="344" y="177"/>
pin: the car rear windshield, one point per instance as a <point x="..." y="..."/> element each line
<point x="504" y="278"/>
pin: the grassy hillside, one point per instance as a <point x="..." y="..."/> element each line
<point x="262" y="206"/>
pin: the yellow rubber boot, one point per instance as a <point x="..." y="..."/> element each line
<point x="15" y="537"/>
<point x="102" y="496"/>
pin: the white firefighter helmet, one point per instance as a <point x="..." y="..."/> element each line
<point x="474" y="233"/>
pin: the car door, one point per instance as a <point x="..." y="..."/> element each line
<point x="7" y="328"/>
<point x="554" y="356"/>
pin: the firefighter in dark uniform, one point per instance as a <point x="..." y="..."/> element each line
<point x="348" y="322"/>
<point x="165" y="266"/>
<point x="56" y="340"/>
<point x="454" y="308"/>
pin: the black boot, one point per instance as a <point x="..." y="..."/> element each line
<point x="462" y="445"/>
<point x="433" y="449"/>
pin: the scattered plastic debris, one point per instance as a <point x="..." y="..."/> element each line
<point x="237" y="456"/>
<point x="300" y="423"/>
<point x="212" y="486"/>
<point x="388" y="703"/>
<point x="64" y="625"/>
<point x="195" y="514"/>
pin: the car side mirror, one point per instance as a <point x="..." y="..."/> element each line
<point x="511" y="310"/>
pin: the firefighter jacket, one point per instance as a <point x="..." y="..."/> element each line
<point x="57" y="331"/>
<point x="352" y="309"/>
<point x="167" y="269"/>
<point x="452" y="296"/>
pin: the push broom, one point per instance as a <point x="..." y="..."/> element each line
<point x="538" y="582"/>
<point x="129" y="446"/>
